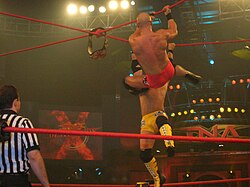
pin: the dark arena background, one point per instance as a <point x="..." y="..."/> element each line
<point x="63" y="88"/>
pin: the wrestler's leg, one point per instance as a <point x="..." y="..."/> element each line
<point x="149" y="160"/>
<point x="166" y="130"/>
<point x="135" y="81"/>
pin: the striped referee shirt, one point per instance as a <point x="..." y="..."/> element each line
<point x="13" y="153"/>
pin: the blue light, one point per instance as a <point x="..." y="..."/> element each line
<point x="131" y="74"/>
<point x="211" y="62"/>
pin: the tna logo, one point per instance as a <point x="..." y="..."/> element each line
<point x="223" y="131"/>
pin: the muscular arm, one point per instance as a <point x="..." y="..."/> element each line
<point x="172" y="31"/>
<point x="38" y="167"/>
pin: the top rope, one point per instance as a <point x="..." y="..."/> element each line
<point x="124" y="135"/>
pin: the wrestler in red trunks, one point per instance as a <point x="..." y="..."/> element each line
<point x="150" y="49"/>
<point x="159" y="80"/>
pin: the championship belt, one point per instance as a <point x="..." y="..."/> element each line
<point x="99" y="53"/>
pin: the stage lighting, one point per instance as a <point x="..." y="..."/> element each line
<point x="124" y="4"/>
<point x="83" y="9"/>
<point x="179" y="113"/>
<point x="233" y="82"/>
<point x="192" y="111"/>
<point x="185" y="112"/>
<point x="113" y="5"/>
<point x="211" y="61"/>
<point x="194" y="101"/>
<point x="203" y="117"/>
<point x="248" y="80"/>
<point x="229" y="109"/>
<point x="241" y="81"/>
<point x="201" y="100"/>
<point x="171" y="87"/>
<point x="132" y="3"/>
<point x="217" y="99"/>
<point x="91" y="8"/>
<point x="72" y="9"/>
<point x="219" y="116"/>
<point x="178" y="86"/>
<point x="243" y="110"/>
<point x="172" y="115"/>
<point x="196" y="118"/>
<point x="210" y="100"/>
<point x="211" y="117"/>
<point x="222" y="109"/>
<point x="102" y="9"/>
<point x="236" y="110"/>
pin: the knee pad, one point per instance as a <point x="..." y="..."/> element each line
<point x="146" y="155"/>
<point x="161" y="120"/>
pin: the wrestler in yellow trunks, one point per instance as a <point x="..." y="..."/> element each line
<point x="148" y="123"/>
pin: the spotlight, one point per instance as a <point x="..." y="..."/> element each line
<point x="113" y="5"/>
<point x="172" y="115"/>
<point x="236" y="110"/>
<point x="229" y="109"/>
<point x="241" y="81"/>
<point x="219" y="116"/>
<point x="102" y="9"/>
<point x="201" y="100"/>
<point x="210" y="100"/>
<point x="171" y="87"/>
<point x="222" y="109"/>
<point x="248" y="80"/>
<point x="243" y="110"/>
<point x="194" y="101"/>
<point x="211" y="61"/>
<point x="196" y="118"/>
<point x="72" y="9"/>
<point x="192" y="111"/>
<point x="132" y="3"/>
<point x="185" y="112"/>
<point x="179" y="113"/>
<point x="203" y="117"/>
<point x="83" y="9"/>
<point x="124" y="4"/>
<point x="91" y="8"/>
<point x="233" y="82"/>
<point x="211" y="117"/>
<point x="217" y="99"/>
<point x="178" y="86"/>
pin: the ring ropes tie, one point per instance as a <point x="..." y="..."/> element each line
<point x="71" y="28"/>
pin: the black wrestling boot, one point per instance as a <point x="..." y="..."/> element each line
<point x="170" y="151"/>
<point x="162" y="179"/>
<point x="193" y="78"/>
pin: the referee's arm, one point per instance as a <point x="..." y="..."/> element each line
<point x="38" y="167"/>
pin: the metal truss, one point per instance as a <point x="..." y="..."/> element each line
<point x="14" y="26"/>
<point x="232" y="96"/>
<point x="232" y="9"/>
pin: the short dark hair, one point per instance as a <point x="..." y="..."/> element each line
<point x="8" y="94"/>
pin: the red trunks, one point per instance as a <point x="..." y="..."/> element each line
<point x="157" y="81"/>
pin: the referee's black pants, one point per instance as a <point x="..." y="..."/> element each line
<point x="14" y="180"/>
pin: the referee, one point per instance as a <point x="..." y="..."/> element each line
<point x="21" y="151"/>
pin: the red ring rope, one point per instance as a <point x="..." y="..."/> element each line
<point x="169" y="184"/>
<point x="123" y="135"/>
<point x="215" y="43"/>
<point x="68" y="27"/>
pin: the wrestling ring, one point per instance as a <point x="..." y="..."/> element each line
<point x="99" y="33"/>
